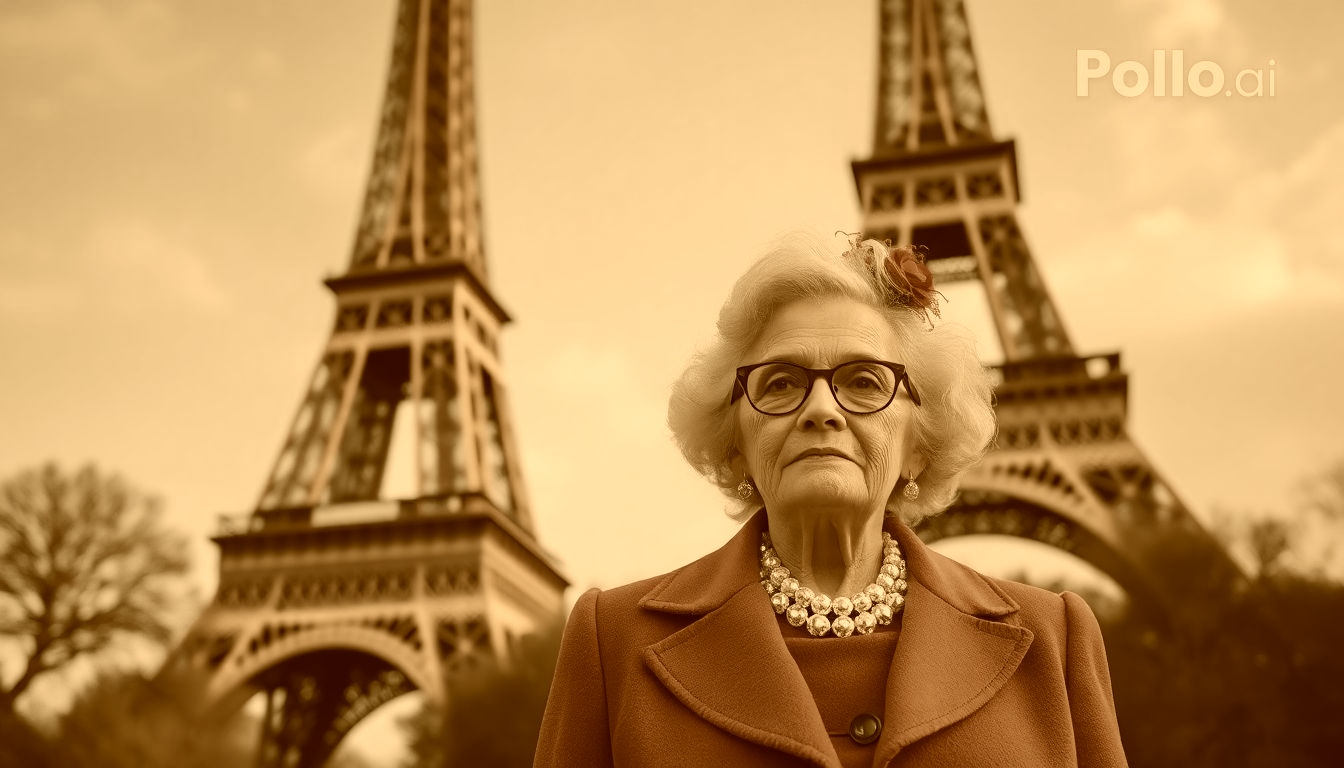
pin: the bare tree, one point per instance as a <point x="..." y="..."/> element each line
<point x="1323" y="493"/>
<point x="83" y="560"/>
<point x="1315" y="527"/>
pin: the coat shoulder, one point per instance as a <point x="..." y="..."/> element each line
<point x="621" y="618"/>
<point x="1063" y="616"/>
<point x="1037" y="608"/>
<point x="628" y="596"/>
<point x="1031" y="599"/>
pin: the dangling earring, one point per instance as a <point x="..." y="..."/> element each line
<point x="745" y="489"/>
<point x="911" y="491"/>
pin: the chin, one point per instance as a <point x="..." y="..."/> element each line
<point x="827" y="490"/>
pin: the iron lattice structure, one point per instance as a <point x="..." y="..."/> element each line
<point x="333" y="599"/>
<point x="1064" y="471"/>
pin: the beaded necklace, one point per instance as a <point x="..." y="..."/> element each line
<point x="877" y="603"/>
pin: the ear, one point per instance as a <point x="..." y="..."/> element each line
<point x="738" y="464"/>
<point x="915" y="464"/>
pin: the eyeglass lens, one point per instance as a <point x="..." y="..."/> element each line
<point x="861" y="387"/>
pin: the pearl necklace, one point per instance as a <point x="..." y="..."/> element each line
<point x="878" y="603"/>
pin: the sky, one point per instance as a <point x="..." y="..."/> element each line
<point x="178" y="178"/>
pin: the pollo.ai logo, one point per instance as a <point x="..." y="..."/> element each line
<point x="1169" y="76"/>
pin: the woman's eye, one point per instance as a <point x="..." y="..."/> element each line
<point x="862" y="380"/>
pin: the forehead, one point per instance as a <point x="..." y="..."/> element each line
<point x="825" y="332"/>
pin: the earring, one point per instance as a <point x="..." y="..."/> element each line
<point x="745" y="489"/>
<point x="911" y="491"/>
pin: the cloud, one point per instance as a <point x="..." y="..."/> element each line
<point x="32" y="299"/>
<point x="1174" y="22"/>
<point x="123" y="264"/>
<point x="90" y="50"/>
<point x="335" y="161"/>
<point x="1188" y="20"/>
<point x="1167" y="264"/>
<point x="1304" y="200"/>
<point x="1173" y="150"/>
<point x="140" y="258"/>
<point x="1217" y="238"/>
<point x="29" y="290"/>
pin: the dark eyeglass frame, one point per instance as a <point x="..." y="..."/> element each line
<point x="897" y="369"/>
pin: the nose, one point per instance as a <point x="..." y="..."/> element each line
<point x="821" y="409"/>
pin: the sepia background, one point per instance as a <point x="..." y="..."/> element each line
<point x="178" y="178"/>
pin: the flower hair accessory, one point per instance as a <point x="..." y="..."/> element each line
<point x="902" y="274"/>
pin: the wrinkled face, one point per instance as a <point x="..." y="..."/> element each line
<point x="821" y="455"/>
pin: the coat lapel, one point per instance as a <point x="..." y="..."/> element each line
<point x="959" y="645"/>
<point x="730" y="666"/>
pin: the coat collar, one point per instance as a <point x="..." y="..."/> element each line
<point x="959" y="645"/>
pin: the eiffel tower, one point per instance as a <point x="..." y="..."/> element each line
<point x="1064" y="470"/>
<point x="333" y="599"/>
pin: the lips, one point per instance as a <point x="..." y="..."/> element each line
<point x="821" y="452"/>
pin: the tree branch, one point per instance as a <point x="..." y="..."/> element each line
<point x="85" y="560"/>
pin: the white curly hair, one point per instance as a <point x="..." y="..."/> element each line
<point x="953" y="425"/>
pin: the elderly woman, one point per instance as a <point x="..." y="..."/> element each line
<point x="825" y="633"/>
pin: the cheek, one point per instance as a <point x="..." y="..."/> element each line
<point x="760" y="444"/>
<point x="771" y="446"/>
<point x="882" y="463"/>
<point x="885" y="447"/>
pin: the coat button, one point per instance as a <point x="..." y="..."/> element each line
<point x="865" y="728"/>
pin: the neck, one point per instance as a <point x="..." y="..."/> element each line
<point x="832" y="555"/>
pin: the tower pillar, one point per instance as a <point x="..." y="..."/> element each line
<point x="1064" y="469"/>
<point x="393" y="540"/>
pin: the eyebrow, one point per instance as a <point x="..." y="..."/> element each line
<point x="800" y="361"/>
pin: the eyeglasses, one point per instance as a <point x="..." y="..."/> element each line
<point x="861" y="386"/>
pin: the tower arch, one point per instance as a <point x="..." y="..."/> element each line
<point x="253" y="665"/>
<point x="992" y="513"/>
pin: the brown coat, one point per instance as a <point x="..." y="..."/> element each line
<point x="690" y="669"/>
